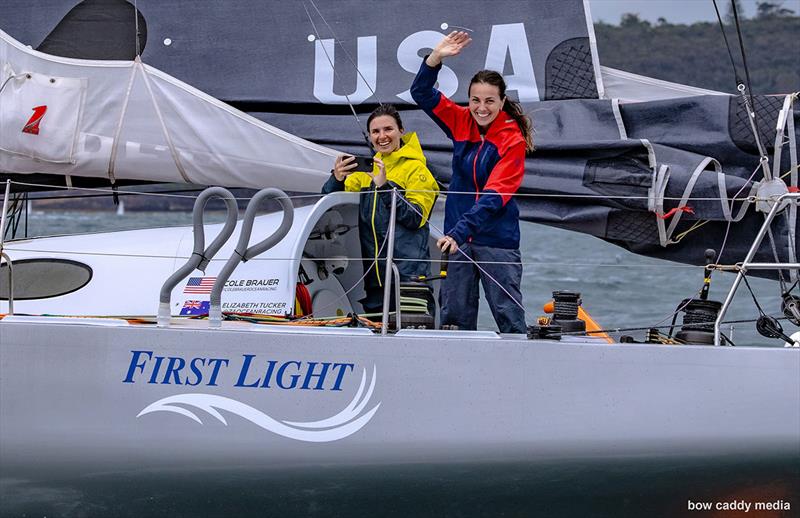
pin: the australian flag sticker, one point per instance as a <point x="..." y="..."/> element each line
<point x="195" y="307"/>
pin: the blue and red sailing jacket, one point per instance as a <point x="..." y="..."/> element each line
<point x="488" y="168"/>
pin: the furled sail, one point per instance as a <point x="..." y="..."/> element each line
<point x="127" y="120"/>
<point x="662" y="169"/>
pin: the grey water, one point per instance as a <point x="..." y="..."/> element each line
<point x="619" y="289"/>
<point x="569" y="488"/>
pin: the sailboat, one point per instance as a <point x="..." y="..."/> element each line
<point x="83" y="395"/>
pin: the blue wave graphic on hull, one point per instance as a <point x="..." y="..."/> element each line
<point x="345" y="423"/>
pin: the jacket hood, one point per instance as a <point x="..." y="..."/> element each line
<point x="410" y="150"/>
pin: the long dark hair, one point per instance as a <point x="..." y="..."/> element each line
<point x="512" y="108"/>
<point x="385" y="109"/>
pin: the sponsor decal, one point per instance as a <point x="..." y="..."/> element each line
<point x="261" y="308"/>
<point x="508" y="48"/>
<point x="195" y="307"/>
<point x="199" y="285"/>
<point x="203" y="285"/>
<point x="254" y="373"/>
<point x="252" y="285"/>
<point x="32" y="126"/>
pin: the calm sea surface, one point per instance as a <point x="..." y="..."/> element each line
<point x="621" y="487"/>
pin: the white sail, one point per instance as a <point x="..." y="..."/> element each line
<point x="128" y="120"/>
<point x="630" y="88"/>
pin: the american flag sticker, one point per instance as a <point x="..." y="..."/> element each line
<point x="195" y="307"/>
<point x="199" y="285"/>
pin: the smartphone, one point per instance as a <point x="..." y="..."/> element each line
<point x="364" y="163"/>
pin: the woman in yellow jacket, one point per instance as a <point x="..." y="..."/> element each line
<point x="399" y="164"/>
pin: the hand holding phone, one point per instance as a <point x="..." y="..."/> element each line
<point x="364" y="164"/>
<point x="347" y="164"/>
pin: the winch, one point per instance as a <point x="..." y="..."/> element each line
<point x="565" y="311"/>
<point x="699" y="314"/>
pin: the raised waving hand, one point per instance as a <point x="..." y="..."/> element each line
<point x="451" y="45"/>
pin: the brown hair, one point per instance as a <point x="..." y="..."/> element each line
<point x="385" y="109"/>
<point x="512" y="108"/>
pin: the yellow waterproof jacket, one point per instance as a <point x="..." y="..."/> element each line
<point x="406" y="171"/>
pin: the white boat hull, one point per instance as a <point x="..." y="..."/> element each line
<point x="88" y="398"/>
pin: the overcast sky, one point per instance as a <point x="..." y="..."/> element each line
<point x="674" y="11"/>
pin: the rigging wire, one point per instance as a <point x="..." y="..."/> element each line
<point x="750" y="199"/>
<point x="750" y="107"/>
<point x="733" y="201"/>
<point x="674" y="315"/>
<point x="777" y="259"/>
<point x="367" y="139"/>
<point x="175" y="194"/>
<point x="370" y="258"/>
<point x="18" y="210"/>
<point x="745" y="91"/>
<point x="344" y="49"/>
<point x="333" y="68"/>
<point x="373" y="264"/>
<point x="697" y="224"/>
<point x="696" y="325"/>
<point x="746" y="69"/>
<point x="727" y="44"/>
<point x="767" y="325"/>
<point x="475" y="263"/>
<point x="136" y="24"/>
<point x="349" y="258"/>
<point x="353" y="258"/>
<point x="751" y="110"/>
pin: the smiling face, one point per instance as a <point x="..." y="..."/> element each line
<point x="385" y="134"/>
<point x="484" y="103"/>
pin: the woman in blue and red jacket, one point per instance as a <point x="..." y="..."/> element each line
<point x="490" y="138"/>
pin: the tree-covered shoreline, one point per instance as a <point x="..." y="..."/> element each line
<point x="696" y="55"/>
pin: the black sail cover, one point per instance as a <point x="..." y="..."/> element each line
<point x="611" y="169"/>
